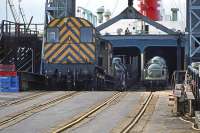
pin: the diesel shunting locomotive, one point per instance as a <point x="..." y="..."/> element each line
<point x="74" y="57"/>
<point x="156" y="72"/>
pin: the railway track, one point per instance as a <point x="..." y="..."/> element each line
<point x="13" y="119"/>
<point x="78" y="120"/>
<point x="140" y="113"/>
<point x="21" y="100"/>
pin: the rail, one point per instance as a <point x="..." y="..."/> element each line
<point x="15" y="118"/>
<point x="139" y="114"/>
<point x="22" y="100"/>
<point x="86" y="115"/>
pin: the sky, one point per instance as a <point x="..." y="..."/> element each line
<point x="36" y="8"/>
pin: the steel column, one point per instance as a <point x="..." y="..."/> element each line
<point x="179" y="66"/>
<point x="193" y="27"/>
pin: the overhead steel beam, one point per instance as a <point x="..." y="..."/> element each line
<point x="109" y="23"/>
<point x="143" y="41"/>
<point x="132" y="13"/>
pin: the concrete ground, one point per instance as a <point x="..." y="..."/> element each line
<point x="157" y="119"/>
<point x="6" y="97"/>
<point x="6" y="111"/>
<point x="104" y="121"/>
<point x="163" y="121"/>
<point x="45" y="121"/>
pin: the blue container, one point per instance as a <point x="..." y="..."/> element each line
<point x="9" y="84"/>
<point x="5" y="82"/>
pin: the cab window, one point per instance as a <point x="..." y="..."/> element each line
<point x="52" y="35"/>
<point x="86" y="35"/>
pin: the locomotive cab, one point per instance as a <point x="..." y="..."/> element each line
<point x="74" y="57"/>
<point x="156" y="73"/>
<point x="69" y="52"/>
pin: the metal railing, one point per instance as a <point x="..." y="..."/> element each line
<point x="194" y="81"/>
<point x="13" y="29"/>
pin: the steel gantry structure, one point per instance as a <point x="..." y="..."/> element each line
<point x="59" y="9"/>
<point x="193" y="30"/>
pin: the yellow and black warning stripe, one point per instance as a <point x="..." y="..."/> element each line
<point x="69" y="49"/>
<point x="70" y="28"/>
<point x="70" y="53"/>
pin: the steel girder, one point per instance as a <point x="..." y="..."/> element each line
<point x="132" y="13"/>
<point x="193" y="26"/>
